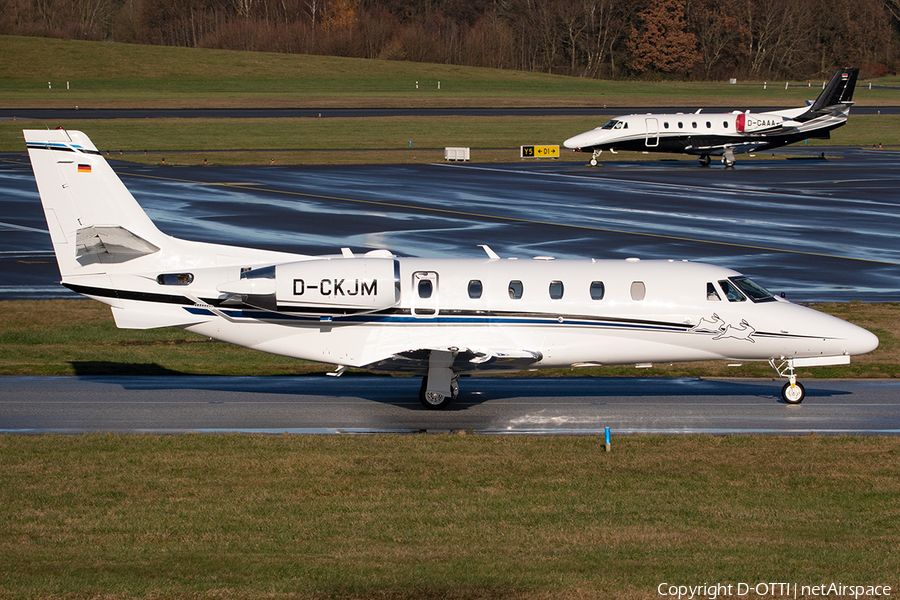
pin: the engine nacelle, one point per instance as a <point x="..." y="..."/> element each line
<point x="336" y="286"/>
<point x="750" y="123"/>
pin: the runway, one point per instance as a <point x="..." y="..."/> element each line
<point x="815" y="230"/>
<point x="490" y="406"/>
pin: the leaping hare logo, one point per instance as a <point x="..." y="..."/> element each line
<point x="717" y="325"/>
<point x="714" y="324"/>
<point x="744" y="332"/>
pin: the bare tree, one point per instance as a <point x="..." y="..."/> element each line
<point x="718" y="35"/>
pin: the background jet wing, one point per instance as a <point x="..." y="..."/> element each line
<point x="736" y="148"/>
<point x="465" y="360"/>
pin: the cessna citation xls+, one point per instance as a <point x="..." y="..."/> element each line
<point x="723" y="134"/>
<point x="439" y="318"/>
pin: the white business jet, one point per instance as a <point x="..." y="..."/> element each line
<point x="439" y="318"/>
<point x="723" y="134"/>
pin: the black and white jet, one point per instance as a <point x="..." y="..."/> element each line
<point x="723" y="134"/>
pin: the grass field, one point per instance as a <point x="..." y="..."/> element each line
<point x="79" y="337"/>
<point x="441" y="516"/>
<point x="122" y="75"/>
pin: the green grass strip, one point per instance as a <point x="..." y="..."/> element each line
<point x="194" y="516"/>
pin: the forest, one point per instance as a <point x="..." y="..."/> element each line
<point x="608" y="39"/>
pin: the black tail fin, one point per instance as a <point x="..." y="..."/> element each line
<point x="839" y="90"/>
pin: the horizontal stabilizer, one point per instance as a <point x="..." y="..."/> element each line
<point x="114" y="240"/>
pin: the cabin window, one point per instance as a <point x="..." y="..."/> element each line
<point x="638" y="290"/>
<point x="711" y="293"/>
<point x="597" y="290"/>
<point x="475" y="289"/>
<point x="666" y="124"/>
<point x="515" y="289"/>
<point x="708" y="125"/>
<point x="753" y="290"/>
<point x="731" y="292"/>
<point x="175" y="279"/>
<point x="694" y="125"/>
<point x="725" y="124"/>
<point x="556" y="290"/>
<point x="425" y="288"/>
<point x="680" y="125"/>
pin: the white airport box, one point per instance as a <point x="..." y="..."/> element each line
<point x="456" y="154"/>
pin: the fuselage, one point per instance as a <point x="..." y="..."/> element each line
<point x="365" y="311"/>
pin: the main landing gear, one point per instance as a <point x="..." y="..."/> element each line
<point x="441" y="385"/>
<point x="705" y="160"/>
<point x="793" y="391"/>
<point x="436" y="399"/>
<point x="728" y="158"/>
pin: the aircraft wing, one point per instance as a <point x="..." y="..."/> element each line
<point x="736" y="148"/>
<point x="465" y="360"/>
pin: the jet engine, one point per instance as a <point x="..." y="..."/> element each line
<point x="334" y="286"/>
<point x="749" y="123"/>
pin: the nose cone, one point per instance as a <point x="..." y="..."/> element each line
<point x="818" y="334"/>
<point x="861" y="341"/>
<point x="581" y="140"/>
<point x="847" y="338"/>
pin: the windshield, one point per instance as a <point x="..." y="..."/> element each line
<point x="754" y="291"/>
<point x="609" y="124"/>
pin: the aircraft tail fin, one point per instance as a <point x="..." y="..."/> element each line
<point x="838" y="91"/>
<point x="92" y="217"/>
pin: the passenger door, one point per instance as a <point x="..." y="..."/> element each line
<point x="652" y="132"/>
<point x="425" y="294"/>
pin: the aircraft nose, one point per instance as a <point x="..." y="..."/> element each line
<point x="861" y="341"/>
<point x="575" y="142"/>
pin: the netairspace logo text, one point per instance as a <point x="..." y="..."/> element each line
<point x="772" y="590"/>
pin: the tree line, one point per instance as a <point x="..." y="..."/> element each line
<point x="655" y="39"/>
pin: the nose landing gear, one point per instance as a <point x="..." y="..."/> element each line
<point x="793" y="391"/>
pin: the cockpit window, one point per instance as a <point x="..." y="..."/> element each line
<point x="731" y="292"/>
<point x="612" y="124"/>
<point x="753" y="290"/>
<point x="711" y="293"/>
